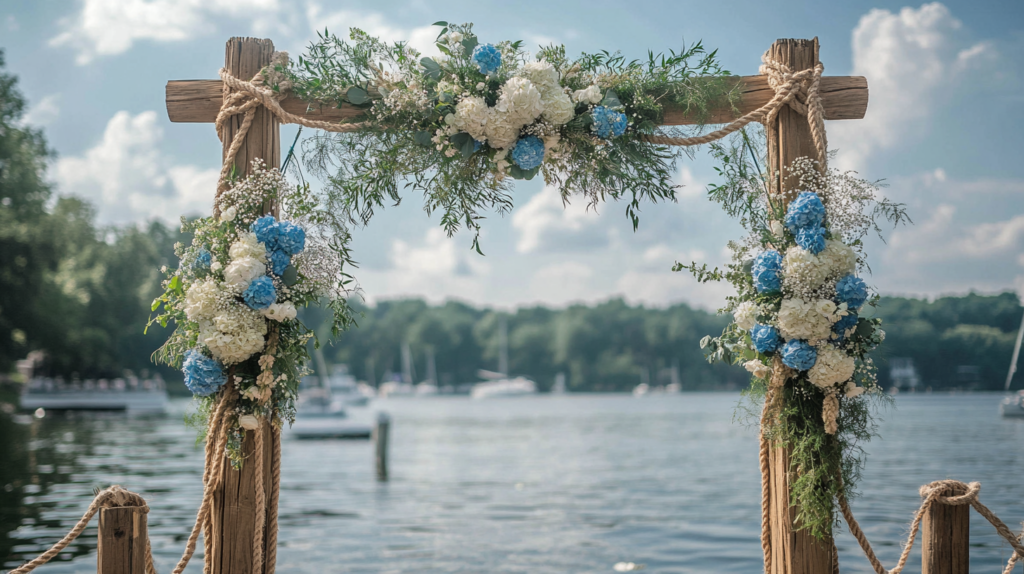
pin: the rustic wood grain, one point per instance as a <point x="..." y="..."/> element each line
<point x="945" y="537"/>
<point x="789" y="137"/>
<point x="234" y="503"/>
<point x="844" y="98"/>
<point x="121" y="548"/>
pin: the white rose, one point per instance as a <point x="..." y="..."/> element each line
<point x="558" y="108"/>
<point x="590" y="95"/>
<point x="455" y="37"/>
<point x="757" y="368"/>
<point x="777" y="228"/>
<point x="746" y="315"/>
<point x="283" y="311"/>
<point x="240" y="272"/>
<point x="852" y="390"/>
<point x="481" y="86"/>
<point x="248" y="246"/>
<point x="228" y="214"/>
<point x="249" y="422"/>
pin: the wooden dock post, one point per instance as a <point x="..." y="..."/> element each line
<point x="380" y="440"/>
<point x="945" y="537"/>
<point x="121" y="548"/>
<point x="789" y="137"/>
<point x="234" y="503"/>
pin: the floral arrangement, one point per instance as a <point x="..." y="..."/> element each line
<point x="800" y="308"/>
<point x="235" y="295"/>
<point x="459" y="127"/>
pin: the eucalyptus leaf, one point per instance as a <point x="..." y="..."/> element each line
<point x="357" y="96"/>
<point x="290" y="275"/>
<point x="461" y="139"/>
<point x="423" y="138"/>
<point x="445" y="98"/>
<point x="433" y="69"/>
<point x="611" y="100"/>
<point x="469" y="44"/>
<point x="440" y="23"/>
<point x="468" y="147"/>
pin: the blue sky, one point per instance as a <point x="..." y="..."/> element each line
<point x="942" y="128"/>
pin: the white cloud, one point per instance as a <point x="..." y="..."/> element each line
<point x="565" y="282"/>
<point x="12" y="23"/>
<point x="692" y="187"/>
<point x="110" y="27"/>
<point x="545" y="223"/>
<point x="44" y="112"/>
<point x="374" y="24"/>
<point x="128" y="178"/>
<point x="912" y="59"/>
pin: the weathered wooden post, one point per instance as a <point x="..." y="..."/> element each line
<point x="121" y="548"/>
<point x="234" y="503"/>
<point x="789" y="137"/>
<point x="380" y="441"/>
<point x="945" y="536"/>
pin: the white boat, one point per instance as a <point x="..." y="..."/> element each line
<point x="319" y="415"/>
<point x="1013" y="406"/>
<point x="516" y="387"/>
<point x="345" y="388"/>
<point x="122" y="394"/>
<point x="641" y="390"/>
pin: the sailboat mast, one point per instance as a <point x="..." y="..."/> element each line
<point x="503" y="342"/>
<point x="1016" y="355"/>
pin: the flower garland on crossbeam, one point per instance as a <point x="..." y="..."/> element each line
<point x="801" y="305"/>
<point x="235" y="294"/>
<point x="461" y="126"/>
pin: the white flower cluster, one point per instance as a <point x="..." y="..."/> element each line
<point x="808" y="320"/>
<point x="746" y="315"/>
<point x="231" y="331"/>
<point x="807" y="274"/>
<point x="832" y="368"/>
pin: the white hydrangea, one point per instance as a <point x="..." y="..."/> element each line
<point x="248" y="246"/>
<point x="833" y="367"/>
<point x="240" y="272"/>
<point x="283" y="311"/>
<point x="502" y="130"/>
<point x="590" y="95"/>
<point x="234" y="335"/>
<point x="543" y="75"/>
<point x="839" y="258"/>
<point x="558" y="108"/>
<point x="202" y="300"/>
<point x="520" y="100"/>
<point x="799" y="319"/>
<point x="471" y="116"/>
<point x="804" y="272"/>
<point x="746" y="315"/>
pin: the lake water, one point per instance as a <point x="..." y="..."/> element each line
<point x="554" y="484"/>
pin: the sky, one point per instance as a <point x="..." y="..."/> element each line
<point x="942" y="129"/>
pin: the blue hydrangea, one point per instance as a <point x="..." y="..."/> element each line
<point x="844" y="323"/>
<point x="203" y="260"/>
<point x="290" y="238"/>
<point x="203" y="375"/>
<point x="608" y="123"/>
<point x="528" y="153"/>
<point x="806" y="211"/>
<point x="799" y="355"/>
<point x="261" y="293"/>
<point x="851" y="290"/>
<point x="767" y="272"/>
<point x="487" y="58"/>
<point x="279" y="261"/>
<point x="266" y="230"/>
<point x="766" y="338"/>
<point x="812" y="239"/>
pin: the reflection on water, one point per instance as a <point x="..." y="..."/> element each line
<point x="537" y="484"/>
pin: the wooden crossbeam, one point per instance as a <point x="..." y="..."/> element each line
<point x="844" y="98"/>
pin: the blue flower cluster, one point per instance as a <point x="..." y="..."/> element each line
<point x="811" y="239"/>
<point x="766" y="338"/>
<point x="203" y="375"/>
<point x="844" y="323"/>
<point x="851" y="290"/>
<point x="767" y="272"/>
<point x="608" y="123"/>
<point x="261" y="293"/>
<point x="806" y="211"/>
<point x="282" y="239"/>
<point x="203" y="260"/>
<point x="487" y="58"/>
<point x="799" y="355"/>
<point x="528" y="153"/>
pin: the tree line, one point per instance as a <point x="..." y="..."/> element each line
<point x="81" y="292"/>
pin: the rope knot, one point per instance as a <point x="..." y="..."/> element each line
<point x="962" y="493"/>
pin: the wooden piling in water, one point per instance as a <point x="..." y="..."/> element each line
<point x="945" y="537"/>
<point x="121" y="548"/>
<point x="380" y="440"/>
